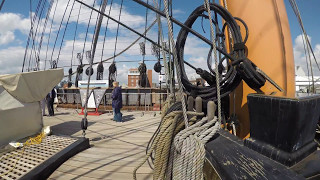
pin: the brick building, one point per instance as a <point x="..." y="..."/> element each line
<point x="134" y="77"/>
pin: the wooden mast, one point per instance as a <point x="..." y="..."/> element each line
<point x="269" y="47"/>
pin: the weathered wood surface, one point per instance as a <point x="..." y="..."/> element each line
<point x="117" y="148"/>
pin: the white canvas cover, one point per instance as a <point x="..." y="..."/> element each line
<point x="20" y="96"/>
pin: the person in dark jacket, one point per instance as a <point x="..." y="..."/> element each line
<point x="117" y="102"/>
<point x="50" y="100"/>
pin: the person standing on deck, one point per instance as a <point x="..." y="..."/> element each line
<point x="116" y="102"/>
<point x="50" y="100"/>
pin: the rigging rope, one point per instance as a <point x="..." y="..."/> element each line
<point x="124" y="50"/>
<point x="54" y="13"/>
<point x="65" y="29"/>
<point x="34" y="36"/>
<point x="215" y="59"/>
<point x="305" y="37"/>
<point x="95" y="40"/>
<point x="117" y="34"/>
<point x="105" y="32"/>
<point x="30" y="33"/>
<point x="55" y="42"/>
<point x="44" y="27"/>
<point x="175" y="59"/>
<point x="79" y="68"/>
<point x="85" y="39"/>
<point x="2" y="4"/>
<point x="112" y="67"/>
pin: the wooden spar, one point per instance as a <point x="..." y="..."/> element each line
<point x="269" y="47"/>
<point x="97" y="31"/>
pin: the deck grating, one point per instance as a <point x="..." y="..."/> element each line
<point x="20" y="162"/>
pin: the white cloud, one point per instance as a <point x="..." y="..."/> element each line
<point x="11" y="60"/>
<point x="300" y="56"/>
<point x="6" y="37"/>
<point x="129" y="19"/>
<point x="11" y="22"/>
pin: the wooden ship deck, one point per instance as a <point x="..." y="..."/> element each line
<point x="116" y="148"/>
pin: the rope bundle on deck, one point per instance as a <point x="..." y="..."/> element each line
<point x="171" y="124"/>
<point x="189" y="149"/>
<point x="178" y="152"/>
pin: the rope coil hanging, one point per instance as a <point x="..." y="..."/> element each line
<point x="143" y="75"/>
<point x="100" y="70"/>
<point x="112" y="73"/>
<point x="240" y="68"/>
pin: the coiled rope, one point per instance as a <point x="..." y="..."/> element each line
<point x="239" y="68"/>
<point x="189" y="152"/>
<point x="171" y="124"/>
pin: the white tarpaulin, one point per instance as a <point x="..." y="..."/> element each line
<point x="31" y="86"/>
<point x="20" y="111"/>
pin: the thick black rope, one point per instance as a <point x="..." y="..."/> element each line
<point x="241" y="68"/>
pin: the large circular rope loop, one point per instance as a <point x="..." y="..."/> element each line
<point x="239" y="68"/>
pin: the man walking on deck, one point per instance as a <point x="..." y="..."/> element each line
<point x="116" y="102"/>
<point x="50" y="100"/>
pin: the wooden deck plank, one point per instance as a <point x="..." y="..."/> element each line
<point x="117" y="148"/>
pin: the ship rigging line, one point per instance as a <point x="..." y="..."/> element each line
<point x="75" y="34"/>
<point x="124" y="50"/>
<point x="85" y="39"/>
<point x="2" y="4"/>
<point x="44" y="27"/>
<point x="55" y="42"/>
<point x="65" y="29"/>
<point x="106" y="30"/>
<point x="162" y="14"/>
<point x="30" y="32"/>
<point x="54" y="13"/>
<point x="117" y="34"/>
<point x="136" y="32"/>
<point x="34" y="36"/>
<point x="308" y="47"/>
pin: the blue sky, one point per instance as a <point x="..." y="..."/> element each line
<point x="15" y="22"/>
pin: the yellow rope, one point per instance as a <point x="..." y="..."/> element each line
<point x="29" y="142"/>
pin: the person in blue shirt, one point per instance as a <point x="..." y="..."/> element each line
<point x="116" y="102"/>
<point x="50" y="100"/>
